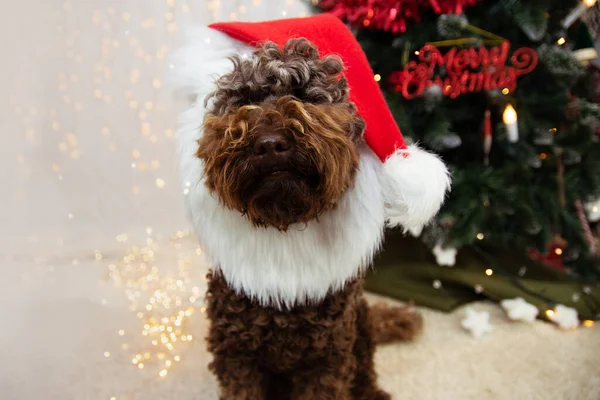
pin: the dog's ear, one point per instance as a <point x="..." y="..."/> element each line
<point x="356" y="125"/>
<point x="356" y="129"/>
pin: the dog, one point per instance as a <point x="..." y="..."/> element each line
<point x="287" y="202"/>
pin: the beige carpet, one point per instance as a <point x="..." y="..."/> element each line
<point x="515" y="361"/>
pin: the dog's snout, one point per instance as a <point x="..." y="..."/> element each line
<point x="271" y="144"/>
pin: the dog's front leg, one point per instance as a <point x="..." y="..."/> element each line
<point x="239" y="378"/>
<point x="330" y="380"/>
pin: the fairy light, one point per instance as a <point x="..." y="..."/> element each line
<point x="377" y="77"/>
<point x="162" y="303"/>
<point x="577" y="12"/>
<point x="558" y="252"/>
<point x="588" y="323"/>
<point x="505" y="91"/>
<point x="489" y="272"/>
<point x="509" y="117"/>
<point x="561" y="41"/>
<point x="549" y="313"/>
<point x="480" y="236"/>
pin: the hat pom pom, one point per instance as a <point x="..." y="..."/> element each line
<point x="415" y="183"/>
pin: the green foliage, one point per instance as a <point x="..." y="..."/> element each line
<point x="529" y="17"/>
<point x="560" y="64"/>
<point x="515" y="200"/>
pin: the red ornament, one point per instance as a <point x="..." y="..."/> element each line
<point x="553" y="258"/>
<point x="467" y="70"/>
<point x="390" y="15"/>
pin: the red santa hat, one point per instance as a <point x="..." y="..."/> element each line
<point x="414" y="181"/>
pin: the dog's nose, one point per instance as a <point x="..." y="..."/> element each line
<point x="271" y="144"/>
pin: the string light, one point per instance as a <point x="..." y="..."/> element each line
<point x="509" y="117"/>
<point x="162" y="303"/>
<point x="505" y="91"/>
<point x="480" y="236"/>
<point x="577" y="12"/>
<point x="489" y="272"/>
<point x="377" y="77"/>
<point x="561" y="41"/>
<point x="588" y="323"/>
<point x="550" y="313"/>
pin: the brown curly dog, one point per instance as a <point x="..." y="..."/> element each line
<point x="323" y="351"/>
<point x="295" y="223"/>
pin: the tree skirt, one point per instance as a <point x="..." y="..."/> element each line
<point x="407" y="270"/>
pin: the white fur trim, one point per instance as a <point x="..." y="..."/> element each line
<point x="301" y="265"/>
<point x="278" y="269"/>
<point x="201" y="61"/>
<point x="415" y="185"/>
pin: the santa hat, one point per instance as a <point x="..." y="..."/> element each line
<point x="414" y="181"/>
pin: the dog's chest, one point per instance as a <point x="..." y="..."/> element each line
<point x="281" y="339"/>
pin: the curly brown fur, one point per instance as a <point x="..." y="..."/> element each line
<point x="322" y="351"/>
<point x="300" y="97"/>
<point x="391" y="324"/>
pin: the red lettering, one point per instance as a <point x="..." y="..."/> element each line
<point x="476" y="82"/>
<point x="478" y="58"/>
<point x="467" y="70"/>
<point x="460" y="61"/>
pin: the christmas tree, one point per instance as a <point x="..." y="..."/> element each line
<point x="504" y="91"/>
